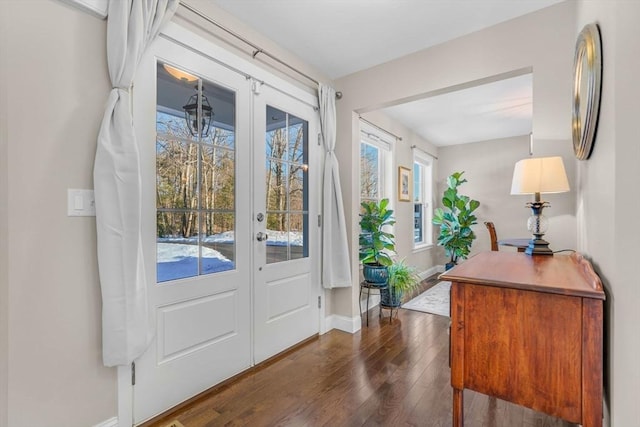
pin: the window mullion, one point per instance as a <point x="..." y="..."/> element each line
<point x="287" y="183"/>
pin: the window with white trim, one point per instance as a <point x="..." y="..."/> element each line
<point x="422" y="199"/>
<point x="375" y="159"/>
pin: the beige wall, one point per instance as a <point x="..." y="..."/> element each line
<point x="488" y="167"/>
<point x="608" y="200"/>
<point x="53" y="87"/>
<point x="422" y="259"/>
<point x="542" y="41"/>
<point x="4" y="229"/>
<point x="54" y="75"/>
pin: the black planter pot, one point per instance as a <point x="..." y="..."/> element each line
<point x="449" y="265"/>
<point x="390" y="299"/>
<point x="374" y="273"/>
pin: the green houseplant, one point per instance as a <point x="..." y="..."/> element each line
<point x="402" y="278"/>
<point x="376" y="244"/>
<point x="455" y="220"/>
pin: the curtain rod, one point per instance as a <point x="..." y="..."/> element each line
<point x="234" y="69"/>
<point x="415" y="147"/>
<point x="399" y="138"/>
<point x="257" y="49"/>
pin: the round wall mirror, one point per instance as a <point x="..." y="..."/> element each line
<point x="587" y="81"/>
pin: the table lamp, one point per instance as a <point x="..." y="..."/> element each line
<point x="536" y="176"/>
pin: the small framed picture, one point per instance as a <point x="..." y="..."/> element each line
<point x="404" y="184"/>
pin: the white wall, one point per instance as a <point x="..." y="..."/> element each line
<point x="488" y="167"/>
<point x="608" y="201"/>
<point x="542" y="41"/>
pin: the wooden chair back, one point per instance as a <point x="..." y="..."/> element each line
<point x="492" y="235"/>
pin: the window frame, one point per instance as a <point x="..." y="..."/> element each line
<point x="425" y="164"/>
<point x="385" y="145"/>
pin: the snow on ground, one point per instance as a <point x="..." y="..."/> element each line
<point x="178" y="260"/>
<point x="178" y="257"/>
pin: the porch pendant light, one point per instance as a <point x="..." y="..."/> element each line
<point x="179" y="74"/>
<point x="191" y="115"/>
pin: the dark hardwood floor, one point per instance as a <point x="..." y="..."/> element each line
<point x="387" y="374"/>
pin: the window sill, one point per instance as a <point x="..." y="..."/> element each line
<point x="422" y="248"/>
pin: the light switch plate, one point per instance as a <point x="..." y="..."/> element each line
<point x="80" y="202"/>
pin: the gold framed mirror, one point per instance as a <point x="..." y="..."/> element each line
<point x="587" y="82"/>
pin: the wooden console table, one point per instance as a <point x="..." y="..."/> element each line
<point x="528" y="330"/>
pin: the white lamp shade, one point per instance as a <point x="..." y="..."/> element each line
<point x="539" y="175"/>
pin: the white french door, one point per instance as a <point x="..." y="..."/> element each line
<point x="195" y="225"/>
<point x="286" y="217"/>
<point x="224" y="296"/>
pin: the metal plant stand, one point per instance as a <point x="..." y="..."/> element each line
<point x="370" y="286"/>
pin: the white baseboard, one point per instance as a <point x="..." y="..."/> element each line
<point x="344" y="323"/>
<point x="111" y="422"/>
<point x="431" y="271"/>
<point x="354" y="324"/>
<point x="374" y="301"/>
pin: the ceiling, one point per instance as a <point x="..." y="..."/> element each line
<point x="340" y="37"/>
<point x="495" y="110"/>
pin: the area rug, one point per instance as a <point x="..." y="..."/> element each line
<point x="434" y="300"/>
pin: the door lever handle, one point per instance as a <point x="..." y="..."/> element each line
<point x="261" y="237"/>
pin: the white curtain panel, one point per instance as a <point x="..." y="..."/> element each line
<point x="126" y="328"/>
<point x="336" y="267"/>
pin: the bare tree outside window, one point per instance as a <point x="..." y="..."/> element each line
<point x="286" y="142"/>
<point x="369" y="172"/>
<point x="195" y="182"/>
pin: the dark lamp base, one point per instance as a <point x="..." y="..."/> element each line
<point x="538" y="247"/>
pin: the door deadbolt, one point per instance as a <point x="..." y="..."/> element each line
<point x="260" y="217"/>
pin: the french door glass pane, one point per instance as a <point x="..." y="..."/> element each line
<point x="217" y="178"/>
<point x="218" y="242"/>
<point x="287" y="237"/>
<point x="297" y="141"/>
<point x="277" y="174"/>
<point x="278" y="241"/>
<point x="176" y="172"/>
<point x="195" y="177"/>
<point x="298" y="246"/>
<point x="177" y="245"/>
<point x="296" y="188"/>
<point x="286" y="147"/>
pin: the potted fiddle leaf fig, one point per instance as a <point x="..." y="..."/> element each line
<point x="376" y="243"/>
<point x="455" y="221"/>
<point x="402" y="278"/>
